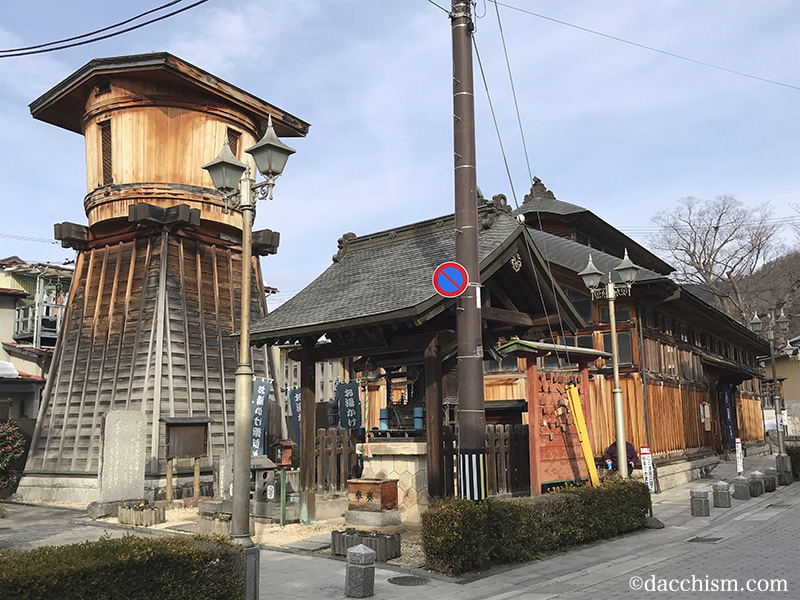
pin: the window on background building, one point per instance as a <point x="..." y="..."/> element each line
<point x="651" y="356"/>
<point x="582" y="303"/>
<point x="508" y="363"/>
<point x="670" y="361"/>
<point x="622" y="313"/>
<point x="582" y="341"/>
<point x="625" y="349"/>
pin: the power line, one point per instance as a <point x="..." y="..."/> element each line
<point x="650" y="48"/>
<point x="26" y="238"/>
<point x="439" y="6"/>
<point x="91" y="33"/>
<point x="103" y="37"/>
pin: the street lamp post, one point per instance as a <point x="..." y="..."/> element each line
<point x="593" y="279"/>
<point x="233" y="179"/>
<point x="782" y="461"/>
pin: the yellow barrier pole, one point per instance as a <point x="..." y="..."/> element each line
<point x="583" y="437"/>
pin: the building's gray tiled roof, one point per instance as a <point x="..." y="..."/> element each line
<point x="574" y="256"/>
<point x="549" y="205"/>
<point x="381" y="276"/>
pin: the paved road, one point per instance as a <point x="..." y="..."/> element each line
<point x="755" y="540"/>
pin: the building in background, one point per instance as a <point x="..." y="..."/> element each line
<point x="33" y="297"/>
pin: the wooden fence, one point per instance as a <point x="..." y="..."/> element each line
<point x="507" y="460"/>
<point x="335" y="458"/>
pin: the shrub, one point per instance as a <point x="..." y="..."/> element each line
<point x="793" y="450"/>
<point x="453" y="537"/>
<point x="521" y="530"/>
<point x="133" y="568"/>
<point x="12" y="445"/>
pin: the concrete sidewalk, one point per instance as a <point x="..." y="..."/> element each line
<point x="744" y="534"/>
<point x="596" y="571"/>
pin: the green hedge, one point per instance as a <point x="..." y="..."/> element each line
<point x="459" y="535"/>
<point x="129" y="568"/>
<point x="793" y="450"/>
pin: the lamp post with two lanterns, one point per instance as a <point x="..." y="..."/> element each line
<point x="782" y="461"/>
<point x="593" y="279"/>
<point x="233" y="180"/>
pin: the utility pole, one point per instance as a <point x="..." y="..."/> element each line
<point x="472" y="481"/>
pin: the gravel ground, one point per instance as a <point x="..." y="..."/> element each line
<point x="272" y="534"/>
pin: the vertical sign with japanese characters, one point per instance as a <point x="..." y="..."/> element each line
<point x="647" y="469"/>
<point x="295" y="403"/>
<point x="739" y="456"/>
<point x="260" y="396"/>
<point x="349" y="404"/>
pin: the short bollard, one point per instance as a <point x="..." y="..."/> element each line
<point x="360" y="577"/>
<point x="741" y="488"/>
<point x="784" y="465"/>
<point x="770" y="479"/>
<point x="699" y="503"/>
<point x="722" y="495"/>
<point x="756" y="483"/>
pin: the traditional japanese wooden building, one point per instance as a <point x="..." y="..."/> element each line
<point x="688" y="371"/>
<point x="376" y="303"/>
<point x="155" y="298"/>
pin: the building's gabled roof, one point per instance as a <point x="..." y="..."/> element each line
<point x="574" y="256"/>
<point x="386" y="277"/>
<point x="542" y="201"/>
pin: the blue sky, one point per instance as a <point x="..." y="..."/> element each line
<point x="620" y="130"/>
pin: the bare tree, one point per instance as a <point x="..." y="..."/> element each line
<point x="732" y="251"/>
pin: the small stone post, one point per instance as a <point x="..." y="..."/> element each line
<point x="699" y="503"/>
<point x="770" y="479"/>
<point x="722" y="495"/>
<point x="784" y="466"/>
<point x="360" y="576"/>
<point x="756" y="483"/>
<point x="741" y="488"/>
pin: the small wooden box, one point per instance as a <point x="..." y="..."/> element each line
<point x="372" y="495"/>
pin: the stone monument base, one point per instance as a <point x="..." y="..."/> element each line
<point x="369" y="519"/>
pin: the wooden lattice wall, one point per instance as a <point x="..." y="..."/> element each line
<point x="149" y="328"/>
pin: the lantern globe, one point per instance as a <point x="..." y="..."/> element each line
<point x="225" y="170"/>
<point x="627" y="270"/>
<point x="591" y="275"/>
<point x="270" y="153"/>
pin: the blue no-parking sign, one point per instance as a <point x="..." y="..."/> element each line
<point x="450" y="279"/>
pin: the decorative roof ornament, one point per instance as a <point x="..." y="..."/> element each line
<point x="538" y="190"/>
<point x="344" y="245"/>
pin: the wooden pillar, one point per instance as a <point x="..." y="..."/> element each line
<point x="307" y="425"/>
<point x="196" y="490"/>
<point x="534" y="423"/>
<point x="433" y="417"/>
<point x="586" y="400"/>
<point x="169" y="480"/>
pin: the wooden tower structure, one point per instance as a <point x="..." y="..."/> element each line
<point x="154" y="306"/>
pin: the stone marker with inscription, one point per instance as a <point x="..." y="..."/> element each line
<point x="123" y="459"/>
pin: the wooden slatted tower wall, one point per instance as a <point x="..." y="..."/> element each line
<point x="155" y="303"/>
<point x="149" y="328"/>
